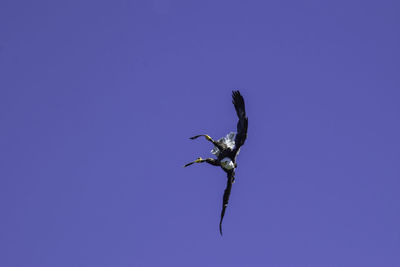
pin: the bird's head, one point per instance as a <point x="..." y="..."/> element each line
<point x="227" y="164"/>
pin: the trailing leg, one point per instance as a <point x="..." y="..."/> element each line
<point x="208" y="139"/>
<point x="200" y="160"/>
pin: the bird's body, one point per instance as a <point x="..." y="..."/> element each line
<point x="227" y="148"/>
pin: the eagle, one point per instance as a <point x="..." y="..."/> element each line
<point x="226" y="149"/>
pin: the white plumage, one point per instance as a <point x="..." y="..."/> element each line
<point x="228" y="140"/>
<point x="227" y="164"/>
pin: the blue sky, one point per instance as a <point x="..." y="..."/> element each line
<point x="98" y="99"/>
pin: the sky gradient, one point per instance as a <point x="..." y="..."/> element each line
<point x="98" y="99"/>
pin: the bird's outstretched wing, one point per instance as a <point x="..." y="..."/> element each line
<point x="225" y="199"/>
<point x="241" y="135"/>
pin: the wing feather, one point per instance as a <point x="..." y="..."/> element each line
<point x="225" y="198"/>
<point x="241" y="135"/>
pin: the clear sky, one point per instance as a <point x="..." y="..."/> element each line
<point x="98" y="99"/>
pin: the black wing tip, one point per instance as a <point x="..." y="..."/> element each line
<point x="220" y="222"/>
<point x="238" y="102"/>
<point x="237" y="97"/>
<point x="236" y="94"/>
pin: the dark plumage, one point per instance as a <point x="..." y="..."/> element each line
<point x="226" y="149"/>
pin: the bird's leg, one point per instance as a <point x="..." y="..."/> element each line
<point x="212" y="162"/>
<point x="200" y="160"/>
<point x="205" y="135"/>
<point x="208" y="139"/>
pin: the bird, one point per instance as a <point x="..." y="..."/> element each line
<point x="226" y="149"/>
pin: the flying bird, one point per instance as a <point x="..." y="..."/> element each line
<point x="226" y="149"/>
